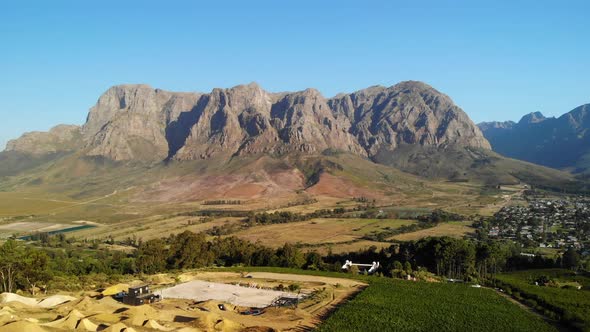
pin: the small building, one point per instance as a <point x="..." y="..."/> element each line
<point x="139" y="295"/>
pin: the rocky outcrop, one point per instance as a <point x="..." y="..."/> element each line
<point x="248" y="120"/>
<point x="137" y="122"/>
<point x="406" y="113"/>
<point x="62" y="138"/>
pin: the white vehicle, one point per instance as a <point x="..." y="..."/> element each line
<point x="372" y="267"/>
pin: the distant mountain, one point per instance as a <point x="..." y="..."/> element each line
<point x="409" y="126"/>
<point x="562" y="142"/>
<point x="137" y="122"/>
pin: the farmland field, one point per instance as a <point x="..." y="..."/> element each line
<point x="456" y="229"/>
<point x="395" y="305"/>
<point x="155" y="227"/>
<point x="12" y="204"/>
<point x="569" y="303"/>
<point x="31" y="227"/>
<point x="319" y="231"/>
<point x="353" y="246"/>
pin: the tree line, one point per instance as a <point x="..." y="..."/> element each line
<point x="66" y="265"/>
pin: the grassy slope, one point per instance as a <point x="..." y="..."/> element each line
<point x="82" y="179"/>
<point x="477" y="165"/>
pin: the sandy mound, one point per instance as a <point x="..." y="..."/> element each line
<point x="259" y="329"/>
<point x="188" y="329"/>
<point x="86" y="325"/>
<point x="213" y="306"/>
<point x="49" y="302"/>
<point x="106" y="318"/>
<point x="118" y="288"/>
<point x="54" y="300"/>
<point x="85" y="304"/>
<point x="11" y="297"/>
<point x="214" y="322"/>
<point x="161" y="279"/>
<point x="69" y="322"/>
<point x="6" y="316"/>
<point x="152" y="324"/>
<point x="22" y="326"/>
<point x="139" y="315"/>
<point x="119" y="327"/>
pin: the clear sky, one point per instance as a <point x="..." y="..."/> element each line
<point x="497" y="59"/>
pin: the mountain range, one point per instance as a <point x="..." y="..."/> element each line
<point x="410" y="127"/>
<point x="137" y="122"/>
<point x="562" y="142"/>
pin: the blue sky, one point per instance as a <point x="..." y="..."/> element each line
<point x="497" y="59"/>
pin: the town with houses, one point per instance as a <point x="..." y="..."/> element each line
<point x="545" y="223"/>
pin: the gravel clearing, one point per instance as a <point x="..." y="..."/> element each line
<point x="241" y="296"/>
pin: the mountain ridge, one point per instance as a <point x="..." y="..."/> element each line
<point x="138" y="122"/>
<point x="560" y="142"/>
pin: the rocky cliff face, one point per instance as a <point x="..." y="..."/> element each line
<point x="249" y="120"/>
<point x="129" y="122"/>
<point x="137" y="122"/>
<point x="407" y="113"/>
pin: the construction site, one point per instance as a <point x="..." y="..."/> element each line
<point x="194" y="301"/>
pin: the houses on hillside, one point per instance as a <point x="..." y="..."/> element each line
<point x="545" y="223"/>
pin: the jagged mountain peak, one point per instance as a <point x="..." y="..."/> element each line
<point x="496" y="125"/>
<point x="533" y="117"/>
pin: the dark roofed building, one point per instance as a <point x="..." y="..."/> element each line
<point x="139" y="295"/>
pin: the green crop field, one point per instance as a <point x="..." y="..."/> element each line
<point x="569" y="304"/>
<point x="395" y="305"/>
<point x="398" y="305"/>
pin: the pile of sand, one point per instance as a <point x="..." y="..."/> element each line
<point x="119" y="327"/>
<point x="54" y="300"/>
<point x="152" y="324"/>
<point x="48" y="302"/>
<point x="214" y="322"/>
<point x="69" y="322"/>
<point x="22" y="326"/>
<point x="161" y="279"/>
<point x="7" y="315"/>
<point x="118" y="288"/>
<point x="11" y="297"/>
<point x="86" y="325"/>
<point x="213" y="306"/>
<point x="139" y="315"/>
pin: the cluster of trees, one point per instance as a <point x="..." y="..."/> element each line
<point x="438" y="216"/>
<point x="191" y="250"/>
<point x="223" y="202"/>
<point x="22" y="267"/>
<point x="450" y="257"/>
